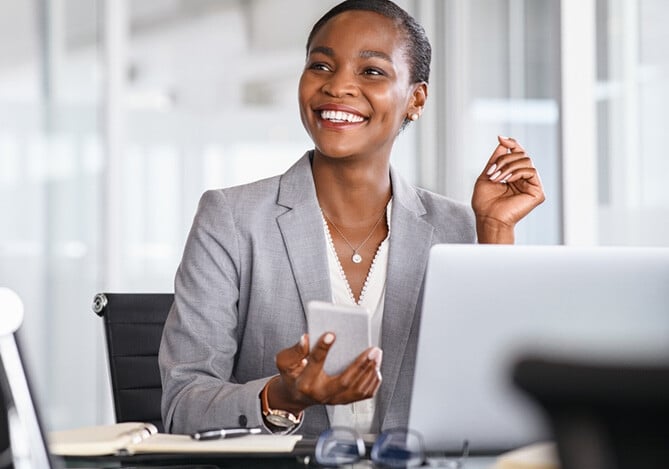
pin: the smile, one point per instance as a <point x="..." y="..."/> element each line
<point x="340" y="116"/>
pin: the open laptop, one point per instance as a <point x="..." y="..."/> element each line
<point x="22" y="439"/>
<point x="485" y="306"/>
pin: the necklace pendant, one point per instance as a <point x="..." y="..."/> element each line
<point x="356" y="258"/>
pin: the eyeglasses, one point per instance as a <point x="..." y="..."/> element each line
<point x="395" y="448"/>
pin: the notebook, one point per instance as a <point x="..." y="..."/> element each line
<point x="485" y="306"/>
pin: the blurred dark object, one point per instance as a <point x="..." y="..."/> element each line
<point x="603" y="416"/>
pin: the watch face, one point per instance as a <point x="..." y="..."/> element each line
<point x="279" y="420"/>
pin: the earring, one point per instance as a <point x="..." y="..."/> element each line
<point x="414" y="117"/>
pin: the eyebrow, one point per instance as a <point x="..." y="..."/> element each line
<point x="374" y="53"/>
<point x="364" y="54"/>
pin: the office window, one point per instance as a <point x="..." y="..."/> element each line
<point x="632" y="99"/>
<point x="496" y="71"/>
<point x="51" y="164"/>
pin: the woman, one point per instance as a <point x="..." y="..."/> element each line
<point x="340" y="225"/>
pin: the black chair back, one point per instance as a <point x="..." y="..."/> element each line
<point x="133" y="324"/>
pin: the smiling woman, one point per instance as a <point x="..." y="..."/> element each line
<point x="341" y="225"/>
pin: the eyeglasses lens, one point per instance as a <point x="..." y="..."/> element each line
<point x="398" y="449"/>
<point x="339" y="446"/>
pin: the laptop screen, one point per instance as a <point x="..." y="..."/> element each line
<point x="22" y="439"/>
<point x="485" y="306"/>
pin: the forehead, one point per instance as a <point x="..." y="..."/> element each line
<point x="364" y="30"/>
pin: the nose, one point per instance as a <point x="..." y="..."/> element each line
<point x="341" y="83"/>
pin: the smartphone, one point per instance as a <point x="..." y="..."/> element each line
<point x="351" y="325"/>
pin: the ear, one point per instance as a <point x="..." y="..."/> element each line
<point x="417" y="100"/>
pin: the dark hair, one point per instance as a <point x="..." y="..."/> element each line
<point x="419" y="51"/>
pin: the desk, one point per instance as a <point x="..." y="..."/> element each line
<point x="301" y="458"/>
<point x="474" y="462"/>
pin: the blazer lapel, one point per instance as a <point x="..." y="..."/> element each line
<point x="302" y="231"/>
<point x="410" y="242"/>
<point x="301" y="227"/>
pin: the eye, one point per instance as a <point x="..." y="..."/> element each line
<point x="319" y="66"/>
<point x="373" y="71"/>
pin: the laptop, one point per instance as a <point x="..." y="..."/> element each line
<point x="22" y="437"/>
<point x="486" y="306"/>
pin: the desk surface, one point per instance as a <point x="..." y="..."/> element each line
<point x="475" y="462"/>
<point x="301" y="457"/>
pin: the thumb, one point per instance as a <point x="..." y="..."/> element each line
<point x="322" y="347"/>
<point x="293" y="357"/>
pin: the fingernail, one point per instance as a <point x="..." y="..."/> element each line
<point x="495" y="176"/>
<point x="304" y="362"/>
<point x="329" y="338"/>
<point x="376" y="354"/>
<point x="492" y="169"/>
<point x="503" y="137"/>
<point x="506" y="179"/>
<point x="303" y="339"/>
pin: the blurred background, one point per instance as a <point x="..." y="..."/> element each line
<point x="115" y="115"/>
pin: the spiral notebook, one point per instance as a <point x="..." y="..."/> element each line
<point x="128" y="438"/>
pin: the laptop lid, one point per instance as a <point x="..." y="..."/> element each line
<point x="485" y="306"/>
<point x="23" y="439"/>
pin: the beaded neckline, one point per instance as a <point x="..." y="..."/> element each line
<point x="342" y="273"/>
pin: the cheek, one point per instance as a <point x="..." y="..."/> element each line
<point x="302" y="98"/>
<point x="396" y="104"/>
<point x="301" y="91"/>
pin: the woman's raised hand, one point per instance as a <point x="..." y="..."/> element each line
<point x="508" y="188"/>
<point x="302" y="381"/>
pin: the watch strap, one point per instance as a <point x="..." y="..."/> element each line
<point x="281" y="419"/>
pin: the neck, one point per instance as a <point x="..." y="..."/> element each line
<point x="349" y="190"/>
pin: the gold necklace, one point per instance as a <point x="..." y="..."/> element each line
<point x="356" y="257"/>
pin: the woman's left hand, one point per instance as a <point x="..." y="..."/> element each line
<point x="507" y="189"/>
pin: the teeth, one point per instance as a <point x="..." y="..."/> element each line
<point x="340" y="116"/>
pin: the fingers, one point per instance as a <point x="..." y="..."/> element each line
<point x="505" y="145"/>
<point x="509" y="162"/>
<point x="320" y="351"/>
<point x="511" y="144"/>
<point x="370" y="381"/>
<point x="291" y="361"/>
<point x="360" y="380"/>
<point x="313" y="370"/>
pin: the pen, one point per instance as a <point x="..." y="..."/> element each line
<point x="221" y="433"/>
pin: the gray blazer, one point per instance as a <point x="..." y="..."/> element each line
<point x="254" y="257"/>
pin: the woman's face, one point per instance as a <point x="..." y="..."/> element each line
<point x="355" y="90"/>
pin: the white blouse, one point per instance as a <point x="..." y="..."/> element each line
<point x="359" y="415"/>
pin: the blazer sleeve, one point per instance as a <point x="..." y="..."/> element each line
<point x="200" y="338"/>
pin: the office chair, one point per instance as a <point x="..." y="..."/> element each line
<point x="133" y="324"/>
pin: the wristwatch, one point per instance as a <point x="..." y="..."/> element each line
<point x="282" y="419"/>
